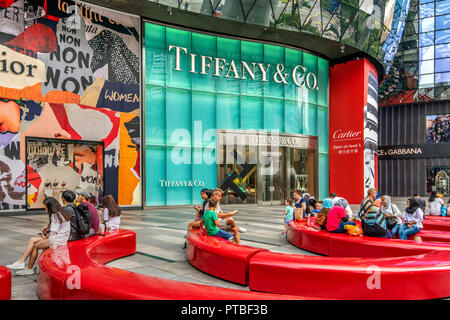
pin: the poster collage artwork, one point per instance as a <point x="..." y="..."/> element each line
<point x="69" y="70"/>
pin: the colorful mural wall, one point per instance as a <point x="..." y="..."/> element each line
<point x="69" y="70"/>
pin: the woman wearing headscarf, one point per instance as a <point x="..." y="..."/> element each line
<point x="337" y="218"/>
<point x="412" y="220"/>
<point x="392" y="214"/>
<point x="341" y="202"/>
<point x="321" y="218"/>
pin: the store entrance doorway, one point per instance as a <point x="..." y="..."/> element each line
<point x="265" y="168"/>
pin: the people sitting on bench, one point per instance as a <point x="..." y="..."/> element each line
<point x="337" y="220"/>
<point x="226" y="222"/>
<point x="54" y="235"/>
<point x="211" y="222"/>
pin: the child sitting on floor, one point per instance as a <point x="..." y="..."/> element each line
<point x="211" y="222"/>
<point x="288" y="215"/>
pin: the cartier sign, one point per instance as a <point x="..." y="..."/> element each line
<point x="200" y="64"/>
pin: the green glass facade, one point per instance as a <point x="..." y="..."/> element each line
<point x="184" y="109"/>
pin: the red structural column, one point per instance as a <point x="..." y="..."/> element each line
<point x="353" y="132"/>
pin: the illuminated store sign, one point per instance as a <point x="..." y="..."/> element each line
<point x="243" y="70"/>
<point x="182" y="183"/>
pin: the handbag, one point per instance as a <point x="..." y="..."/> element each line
<point x="298" y="213"/>
<point x="391" y="221"/>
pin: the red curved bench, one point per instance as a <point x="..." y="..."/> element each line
<point x="437" y="217"/>
<point x="424" y="276"/>
<point x="343" y="245"/>
<point x="219" y="257"/>
<point x="420" y="270"/>
<point x="77" y="272"/>
<point x="432" y="236"/>
<point x="436" y="224"/>
<point x="5" y="283"/>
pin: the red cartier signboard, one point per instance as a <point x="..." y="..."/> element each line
<point x="348" y="96"/>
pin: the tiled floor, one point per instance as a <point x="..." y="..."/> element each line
<point x="160" y="240"/>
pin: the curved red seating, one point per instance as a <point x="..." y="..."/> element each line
<point x="437" y="217"/>
<point x="432" y="235"/>
<point x="424" y="276"/>
<point x="219" y="257"/>
<point x="5" y="283"/>
<point x="77" y="272"/>
<point x="408" y="269"/>
<point x="422" y="270"/>
<point x="436" y="224"/>
<point x="342" y="245"/>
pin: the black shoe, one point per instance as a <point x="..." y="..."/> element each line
<point x="185" y="243"/>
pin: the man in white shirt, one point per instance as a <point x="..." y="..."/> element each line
<point x="226" y="222"/>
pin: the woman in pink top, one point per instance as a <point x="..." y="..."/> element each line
<point x="337" y="219"/>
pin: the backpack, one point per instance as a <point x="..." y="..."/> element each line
<point x="374" y="223"/>
<point x="83" y="217"/>
<point x="321" y="218"/>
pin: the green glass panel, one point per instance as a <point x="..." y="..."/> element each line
<point x="274" y="114"/>
<point x="204" y="45"/>
<point x="251" y="113"/>
<point x="155" y="115"/>
<point x="204" y="118"/>
<point x="251" y="52"/>
<point x="292" y="58"/>
<point x="322" y="128"/>
<point x="178" y="38"/>
<point x="203" y="174"/>
<point x="293" y="117"/>
<point x="228" y="111"/>
<point x="178" y="117"/>
<point x="155" y="54"/>
<point x="323" y="176"/>
<point x="274" y="55"/>
<point x="228" y="49"/>
<point x="310" y="63"/>
<point x="156" y="170"/>
<point x="322" y="82"/>
<point x="179" y="169"/>
<point x="309" y="119"/>
<point x="155" y="36"/>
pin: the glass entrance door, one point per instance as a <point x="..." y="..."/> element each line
<point x="301" y="171"/>
<point x="271" y="175"/>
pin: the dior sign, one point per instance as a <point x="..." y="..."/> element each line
<point x="244" y="70"/>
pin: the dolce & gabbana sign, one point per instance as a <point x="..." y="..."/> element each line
<point x="413" y="151"/>
<point x="200" y="64"/>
